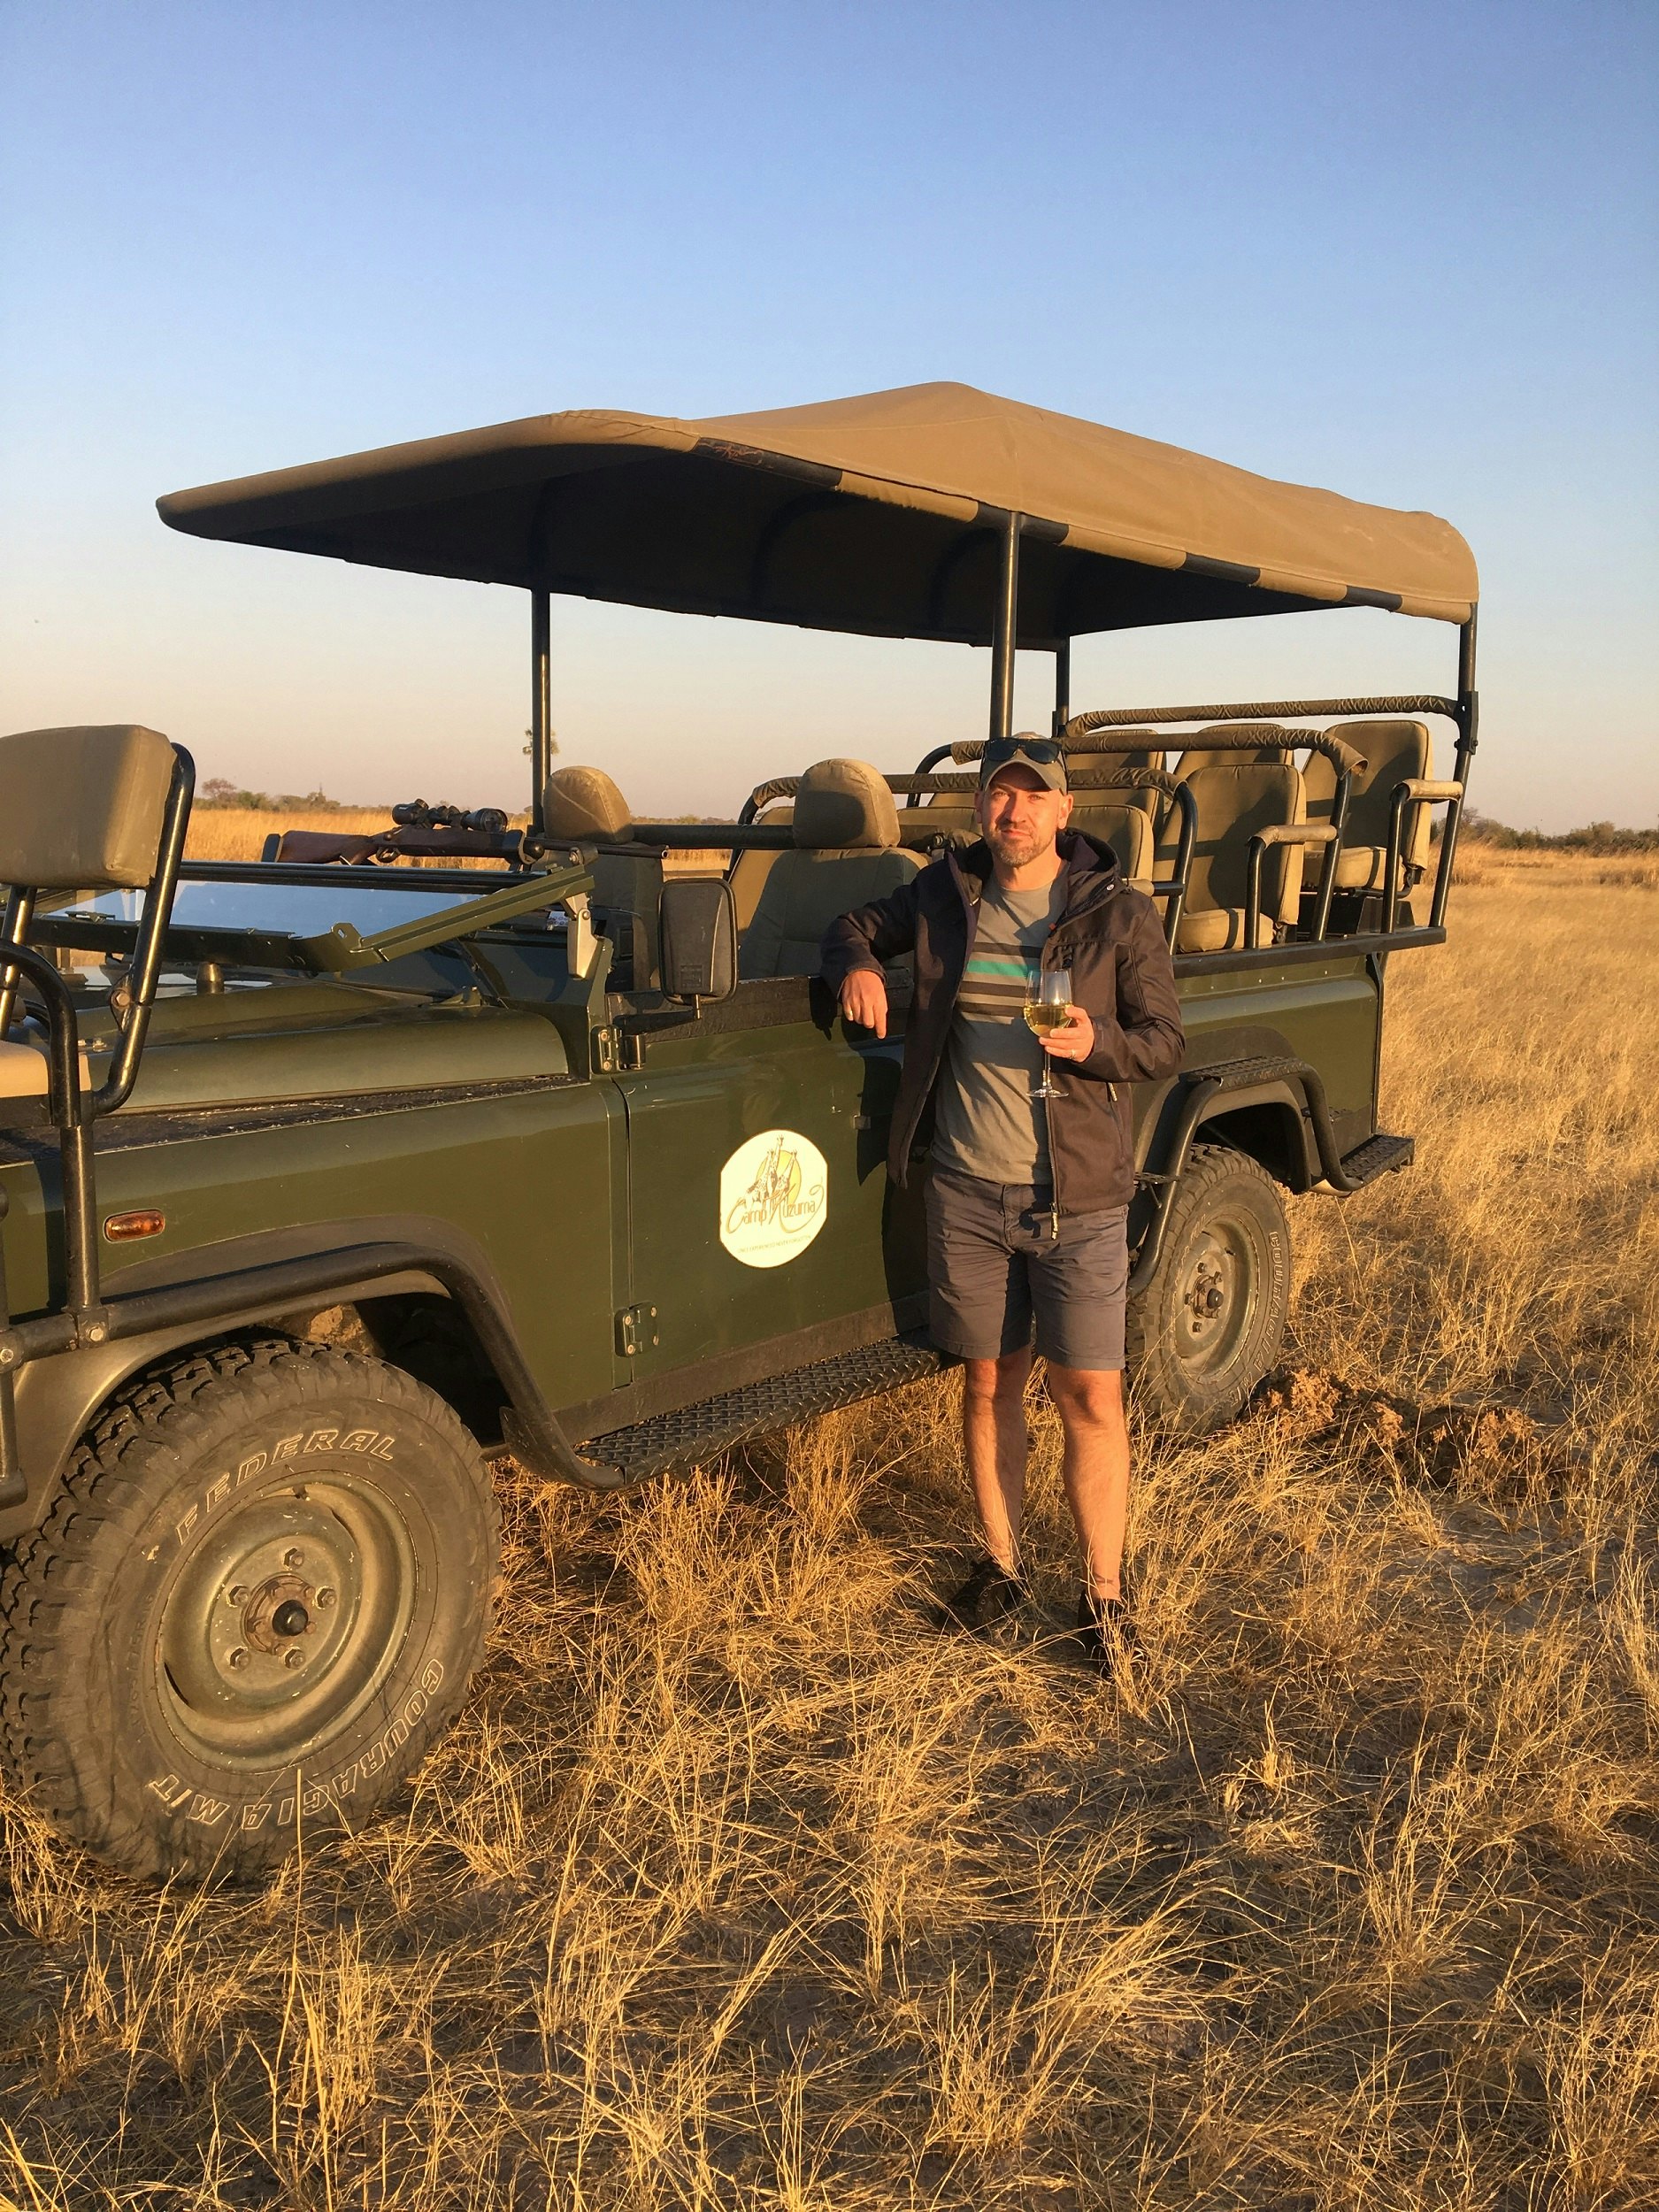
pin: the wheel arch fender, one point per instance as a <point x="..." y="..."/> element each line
<point x="57" y="1397"/>
<point x="1270" y="1123"/>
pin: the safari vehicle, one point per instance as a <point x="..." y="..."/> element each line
<point x="328" y="1177"/>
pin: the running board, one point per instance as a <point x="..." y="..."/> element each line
<point x="697" y="1432"/>
<point x="1378" y="1156"/>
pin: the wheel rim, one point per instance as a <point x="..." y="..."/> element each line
<point x="285" y="1620"/>
<point x="1218" y="1285"/>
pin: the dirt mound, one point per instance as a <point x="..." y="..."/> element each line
<point x="1490" y="1449"/>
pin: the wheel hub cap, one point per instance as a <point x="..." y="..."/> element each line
<point x="284" y="1617"/>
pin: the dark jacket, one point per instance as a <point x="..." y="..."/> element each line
<point x="1108" y="937"/>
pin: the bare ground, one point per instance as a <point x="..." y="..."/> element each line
<point x="740" y="1887"/>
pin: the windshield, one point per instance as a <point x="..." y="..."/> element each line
<point x="291" y="909"/>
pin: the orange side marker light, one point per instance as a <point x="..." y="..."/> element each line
<point x="146" y="1221"/>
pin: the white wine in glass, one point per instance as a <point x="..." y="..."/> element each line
<point x="1047" y="1009"/>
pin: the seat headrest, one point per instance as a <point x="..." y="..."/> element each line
<point x="844" y="806"/>
<point x="1382" y="741"/>
<point x="81" y="810"/>
<point x="583" y="806"/>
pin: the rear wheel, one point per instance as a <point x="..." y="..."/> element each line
<point x="252" y="1608"/>
<point x="1209" y="1324"/>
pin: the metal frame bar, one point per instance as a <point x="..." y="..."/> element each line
<point x="14" y="929"/>
<point x="1285" y="833"/>
<point x="1468" y="719"/>
<point x="1415" y="792"/>
<point x="1005" y="630"/>
<point x="148" y="946"/>
<point x="541" y="704"/>
<point x="72" y="1109"/>
<point x="1265" y="710"/>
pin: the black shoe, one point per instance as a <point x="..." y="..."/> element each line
<point x="991" y="1602"/>
<point x="1106" y="1634"/>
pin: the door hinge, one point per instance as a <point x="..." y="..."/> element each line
<point x="636" y="1330"/>
<point x="617" y="1052"/>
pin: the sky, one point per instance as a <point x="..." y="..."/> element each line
<point x="1406" y="253"/>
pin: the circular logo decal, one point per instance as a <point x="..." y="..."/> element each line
<point x="773" y="1198"/>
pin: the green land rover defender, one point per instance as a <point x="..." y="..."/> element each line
<point x="327" y="1178"/>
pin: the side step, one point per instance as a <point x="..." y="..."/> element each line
<point x="696" y="1433"/>
<point x="1379" y="1155"/>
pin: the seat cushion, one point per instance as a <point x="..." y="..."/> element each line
<point x="23" y="1071"/>
<point x="83" y="807"/>
<point x="802" y="895"/>
<point x="1219" y="929"/>
<point x="1360" y="867"/>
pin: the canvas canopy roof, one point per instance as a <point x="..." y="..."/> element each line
<point x="882" y="514"/>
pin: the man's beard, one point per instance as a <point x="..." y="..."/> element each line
<point x="1015" y="848"/>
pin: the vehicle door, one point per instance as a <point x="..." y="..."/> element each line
<point x="758" y="1204"/>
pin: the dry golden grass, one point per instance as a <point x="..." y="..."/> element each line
<point x="740" y="1887"/>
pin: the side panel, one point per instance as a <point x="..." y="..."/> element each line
<point x="527" y="1177"/>
<point x="842" y="1240"/>
<point x="1329" y="1015"/>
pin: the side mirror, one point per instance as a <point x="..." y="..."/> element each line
<point x="698" y="924"/>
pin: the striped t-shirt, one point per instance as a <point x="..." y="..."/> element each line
<point x="987" y="1122"/>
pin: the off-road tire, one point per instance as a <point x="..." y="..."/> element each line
<point x="1193" y="1369"/>
<point x="171" y="1727"/>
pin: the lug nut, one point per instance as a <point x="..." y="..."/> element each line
<point x="239" y="1594"/>
<point x="325" y="1597"/>
<point x="238" y="1658"/>
<point x="293" y="1559"/>
<point x="295" y="1659"/>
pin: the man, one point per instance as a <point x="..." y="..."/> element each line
<point x="1028" y="1197"/>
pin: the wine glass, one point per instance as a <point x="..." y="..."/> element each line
<point x="1048" y="1007"/>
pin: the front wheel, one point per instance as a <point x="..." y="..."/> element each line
<point x="253" y="1606"/>
<point x="1209" y="1324"/>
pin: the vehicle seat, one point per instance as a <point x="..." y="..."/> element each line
<point x="1273" y="746"/>
<point x="1233" y="800"/>
<point x="83" y="807"/>
<point x="1396" y="753"/>
<point x="1146" y="754"/>
<point x="1125" y="828"/>
<point x="746" y="878"/>
<point x="847" y="853"/>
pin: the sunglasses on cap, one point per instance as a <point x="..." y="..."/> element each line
<point x="1043" y="751"/>
<point x="1044" y="755"/>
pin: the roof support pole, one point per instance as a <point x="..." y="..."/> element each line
<point x="1468" y="738"/>
<point x="540" y="704"/>
<point x="1005" y="631"/>
<point x="1062" y="684"/>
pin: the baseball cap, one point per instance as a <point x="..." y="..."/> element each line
<point x="1045" y="757"/>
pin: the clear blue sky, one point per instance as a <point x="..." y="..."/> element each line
<point x="1407" y="252"/>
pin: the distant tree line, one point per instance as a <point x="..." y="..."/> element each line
<point x="1595" y="837"/>
<point x="220" y="791"/>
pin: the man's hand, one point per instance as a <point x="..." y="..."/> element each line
<point x="1075" y="1041"/>
<point x="865" y="1000"/>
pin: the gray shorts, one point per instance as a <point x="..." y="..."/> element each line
<point x="994" y="1264"/>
